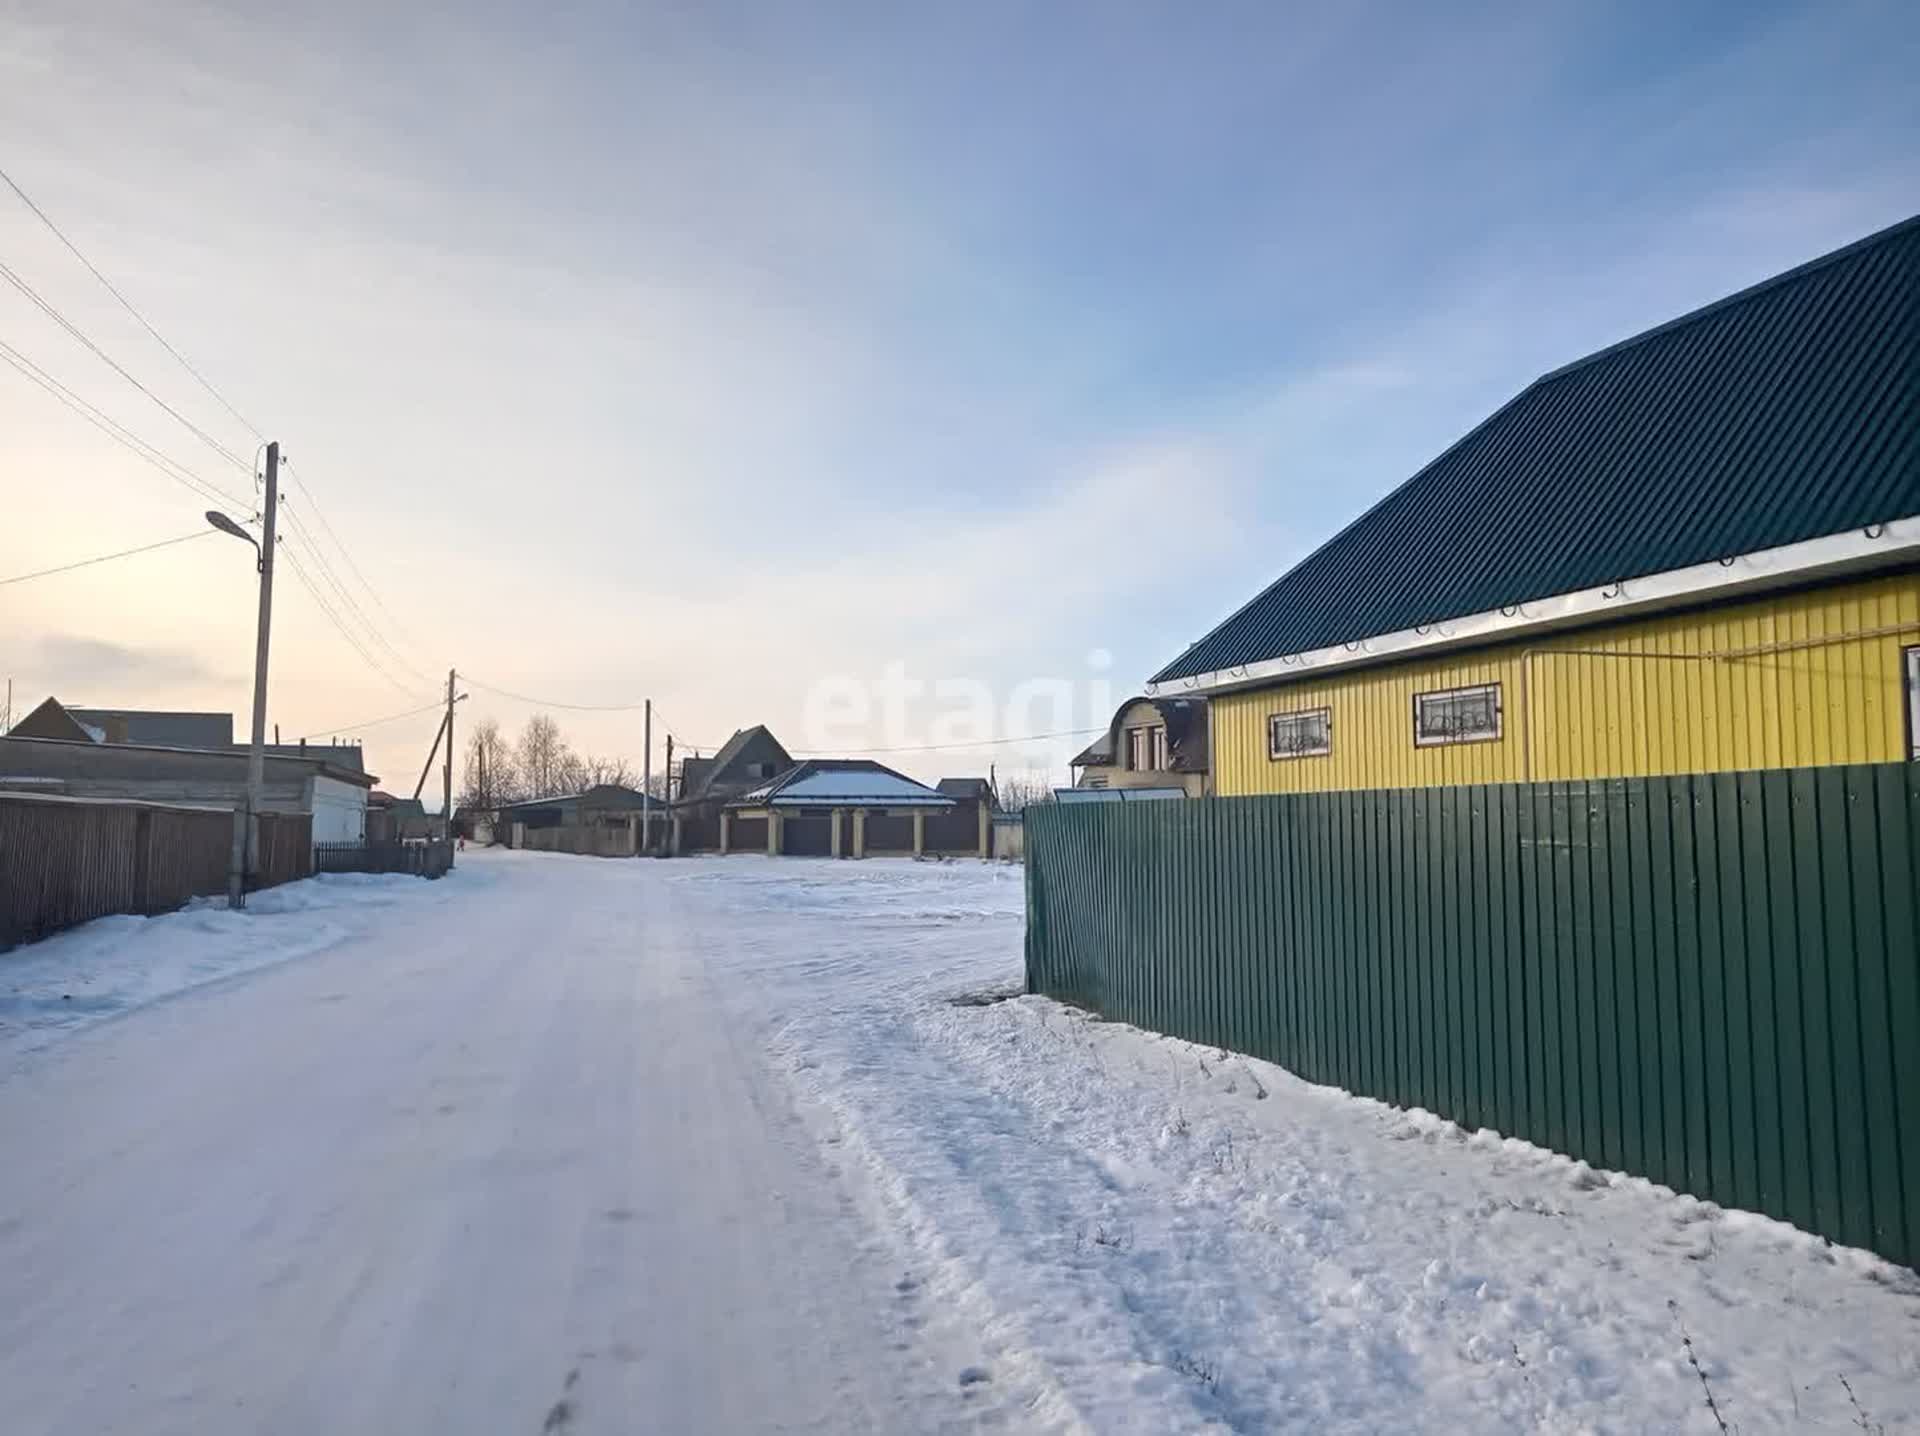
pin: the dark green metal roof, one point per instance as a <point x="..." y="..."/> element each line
<point x="1788" y="411"/>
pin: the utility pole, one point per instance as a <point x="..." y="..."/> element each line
<point x="247" y="823"/>
<point x="6" y="723"/>
<point x="667" y="786"/>
<point x="646" y="783"/>
<point x="446" y="784"/>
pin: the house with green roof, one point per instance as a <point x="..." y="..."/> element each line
<point x="1697" y="550"/>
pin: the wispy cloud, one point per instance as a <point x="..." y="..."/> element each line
<point x="663" y="351"/>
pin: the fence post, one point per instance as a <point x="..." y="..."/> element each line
<point x="143" y="861"/>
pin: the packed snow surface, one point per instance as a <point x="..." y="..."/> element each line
<point x="567" y="1145"/>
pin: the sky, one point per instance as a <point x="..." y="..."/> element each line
<point x="770" y="360"/>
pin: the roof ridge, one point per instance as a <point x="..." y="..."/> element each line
<point x="1478" y="475"/>
<point x="1739" y="296"/>
<point x="1397" y="491"/>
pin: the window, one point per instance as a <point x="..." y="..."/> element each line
<point x="1300" y="735"/>
<point x="1457" y="715"/>
<point x="1157" y="749"/>
<point x="1137" y="749"/>
<point x="1913" y="702"/>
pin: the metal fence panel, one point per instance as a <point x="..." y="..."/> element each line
<point x="1712" y="980"/>
<point x="420" y="860"/>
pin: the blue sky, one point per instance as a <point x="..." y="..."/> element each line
<point x="708" y="351"/>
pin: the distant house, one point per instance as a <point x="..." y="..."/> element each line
<point x="838" y="807"/>
<point x="340" y="755"/>
<point x="746" y="760"/>
<point x="52" y="719"/>
<point x="749" y="757"/>
<point x="1696" y="550"/>
<point x="968" y="826"/>
<point x="1150" y="743"/>
<point x="335" y="797"/>
<point x="603" y="805"/>
<point x="157" y="728"/>
<point x="397" y="820"/>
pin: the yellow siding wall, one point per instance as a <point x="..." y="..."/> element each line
<point x="1612" y="716"/>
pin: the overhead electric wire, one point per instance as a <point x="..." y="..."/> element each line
<point x="332" y="617"/>
<point x="313" y="501"/>
<point x="105" y="557"/>
<point x="798" y="752"/>
<point x="943" y="747"/>
<point x="316" y="549"/>
<point x="119" y="433"/>
<point x="661" y="718"/>
<point x="300" y="531"/>
<point x="437" y="706"/>
<point x="73" y="329"/>
<point x="551" y="703"/>
<point x="126" y="303"/>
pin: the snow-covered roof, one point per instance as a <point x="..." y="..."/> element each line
<point x="858" y="782"/>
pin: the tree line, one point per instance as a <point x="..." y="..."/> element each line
<point x="538" y="763"/>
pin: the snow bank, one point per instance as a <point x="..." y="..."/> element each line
<point x="113" y="965"/>
<point x="1165" y="1237"/>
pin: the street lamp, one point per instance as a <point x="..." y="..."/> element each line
<point x="228" y="526"/>
<point x="245" y="861"/>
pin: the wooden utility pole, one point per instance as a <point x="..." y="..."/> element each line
<point x="247" y="820"/>
<point x="646" y="783"/>
<point x="432" y="753"/>
<point x="446" y="783"/>
<point x="667" y="786"/>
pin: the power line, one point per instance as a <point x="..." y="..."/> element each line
<point x="434" y="707"/>
<point x="798" y="752"/>
<point x="73" y="329"/>
<point x="313" y="501"/>
<point x="943" y="747"/>
<point x="317" y="551"/>
<point x="661" y="718"/>
<point x="127" y="304"/>
<point x="551" y="703"/>
<point x="327" y="609"/>
<point x="300" y="531"/>
<point x="103" y="558"/>
<point x="118" y="432"/>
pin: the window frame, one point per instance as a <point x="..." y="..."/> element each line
<point x="1274" y="755"/>
<point x="1910" y="677"/>
<point x="1157" y="748"/>
<point x="1460" y="691"/>
<point x="1137" y="749"/>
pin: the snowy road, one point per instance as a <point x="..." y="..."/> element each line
<point x="502" y="1164"/>
<point x="569" y="1146"/>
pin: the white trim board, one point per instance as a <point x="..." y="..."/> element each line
<point x="1835" y="554"/>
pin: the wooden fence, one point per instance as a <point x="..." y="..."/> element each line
<point x="1712" y="981"/>
<point x="65" y="861"/>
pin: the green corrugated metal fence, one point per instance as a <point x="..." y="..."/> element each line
<point x="1712" y="981"/>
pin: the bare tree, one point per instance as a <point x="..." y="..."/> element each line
<point x="1023" y="790"/>
<point x="491" y="775"/>
<point x="543" y="760"/>
<point x="592" y="771"/>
